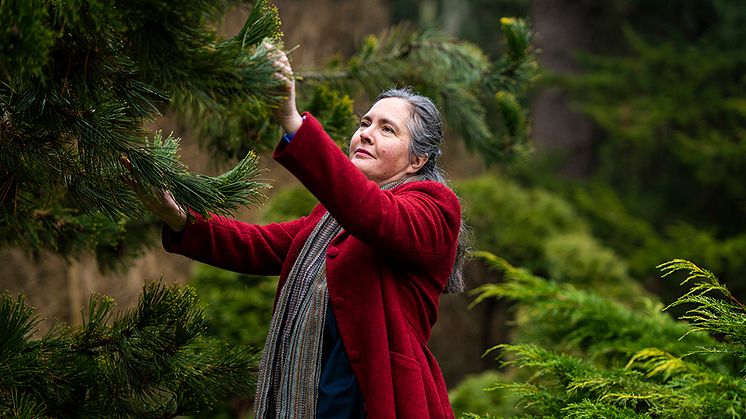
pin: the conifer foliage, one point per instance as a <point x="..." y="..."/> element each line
<point x="589" y="356"/>
<point x="78" y="81"/>
<point x="480" y="98"/>
<point x="151" y="361"/>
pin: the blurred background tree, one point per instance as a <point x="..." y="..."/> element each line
<point x="666" y="98"/>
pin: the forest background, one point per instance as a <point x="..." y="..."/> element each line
<point x="637" y="123"/>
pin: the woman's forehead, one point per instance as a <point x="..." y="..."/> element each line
<point x="393" y="109"/>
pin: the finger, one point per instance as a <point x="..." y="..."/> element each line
<point x="284" y="66"/>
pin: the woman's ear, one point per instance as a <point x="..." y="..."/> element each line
<point x="416" y="163"/>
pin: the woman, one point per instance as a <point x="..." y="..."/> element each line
<point x="360" y="276"/>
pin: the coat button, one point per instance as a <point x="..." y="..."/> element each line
<point x="354" y="356"/>
<point x="332" y="252"/>
<point x="338" y="303"/>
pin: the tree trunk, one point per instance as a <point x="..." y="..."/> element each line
<point x="560" y="27"/>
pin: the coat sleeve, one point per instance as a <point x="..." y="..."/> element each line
<point x="234" y="245"/>
<point x="417" y="219"/>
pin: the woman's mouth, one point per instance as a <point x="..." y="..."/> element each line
<point x="364" y="152"/>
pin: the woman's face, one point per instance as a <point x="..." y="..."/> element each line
<point x="380" y="146"/>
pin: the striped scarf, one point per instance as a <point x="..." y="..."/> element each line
<point x="290" y="368"/>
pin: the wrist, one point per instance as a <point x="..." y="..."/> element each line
<point x="178" y="221"/>
<point x="292" y="123"/>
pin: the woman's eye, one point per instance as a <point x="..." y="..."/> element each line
<point x="364" y="123"/>
<point x="388" y="129"/>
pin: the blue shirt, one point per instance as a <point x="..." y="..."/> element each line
<point x="339" y="393"/>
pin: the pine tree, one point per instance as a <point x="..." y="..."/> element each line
<point x="78" y="81"/>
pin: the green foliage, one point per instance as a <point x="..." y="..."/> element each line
<point x="543" y="232"/>
<point x="475" y="395"/>
<point x="577" y="258"/>
<point x="565" y="318"/>
<point x="150" y="361"/>
<point x="715" y="310"/>
<point x="514" y="221"/>
<point x="77" y="82"/>
<point x="457" y="75"/>
<point x="239" y="307"/>
<point x="685" y="130"/>
<point x="289" y="203"/>
<point x="590" y="356"/>
<point x="334" y="110"/>
<point x="665" y="96"/>
<point x="24" y="34"/>
<point x="644" y="245"/>
<point x="248" y="126"/>
<point x="669" y="101"/>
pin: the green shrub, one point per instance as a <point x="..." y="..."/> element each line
<point x="589" y="356"/>
<point x="514" y="221"/>
<point x="288" y="204"/>
<point x="474" y="395"/>
<point x="579" y="259"/>
<point x="239" y="307"/>
<point x="538" y="229"/>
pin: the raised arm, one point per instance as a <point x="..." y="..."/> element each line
<point x="414" y="219"/>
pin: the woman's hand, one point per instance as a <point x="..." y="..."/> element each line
<point x="162" y="205"/>
<point x="287" y="114"/>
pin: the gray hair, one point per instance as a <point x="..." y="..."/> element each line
<point x="426" y="131"/>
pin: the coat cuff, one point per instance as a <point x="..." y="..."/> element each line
<point x="172" y="240"/>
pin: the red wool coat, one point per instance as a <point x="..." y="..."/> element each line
<point x="385" y="271"/>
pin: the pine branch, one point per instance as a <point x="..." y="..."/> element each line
<point x="158" y="167"/>
<point x="240" y="118"/>
<point x="151" y="361"/>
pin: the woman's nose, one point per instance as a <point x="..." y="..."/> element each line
<point x="365" y="136"/>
